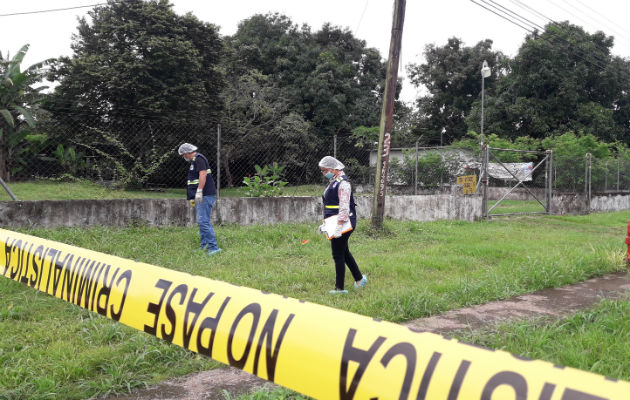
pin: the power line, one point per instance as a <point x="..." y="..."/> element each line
<point x="501" y="16"/>
<point x="518" y="16"/>
<point x="504" y="13"/>
<point x="602" y="15"/>
<point x="51" y="10"/>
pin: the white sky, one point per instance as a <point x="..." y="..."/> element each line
<point x="49" y="34"/>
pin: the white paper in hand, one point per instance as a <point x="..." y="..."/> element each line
<point x="330" y="225"/>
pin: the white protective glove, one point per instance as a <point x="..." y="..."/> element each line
<point x="337" y="231"/>
<point x="199" y="196"/>
<point x="321" y="228"/>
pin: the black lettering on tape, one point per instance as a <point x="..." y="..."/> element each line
<point x="84" y="286"/>
<point x="41" y="272"/>
<point x="509" y="378"/>
<point x="253" y="309"/>
<point x="7" y="254"/>
<point x="195" y="309"/>
<point x="54" y="254"/>
<point x="127" y="277"/>
<point x="105" y="291"/>
<point x="459" y="379"/>
<point x="69" y="279"/>
<point x="547" y="391"/>
<point x="15" y="248"/>
<point x="428" y="374"/>
<point x="96" y="277"/>
<point x="572" y="394"/>
<point x="26" y="257"/>
<point x="180" y="290"/>
<point x="409" y="352"/>
<point x="36" y="265"/>
<point x="71" y="293"/>
<point x="363" y="357"/>
<point x="154" y="308"/>
<point x="59" y="268"/>
<point x="210" y="323"/>
<point x="271" y="357"/>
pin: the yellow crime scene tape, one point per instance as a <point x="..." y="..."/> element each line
<point x="316" y="350"/>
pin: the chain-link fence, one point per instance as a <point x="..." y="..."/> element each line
<point x="142" y="153"/>
<point x="587" y="173"/>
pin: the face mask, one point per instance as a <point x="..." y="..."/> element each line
<point x="329" y="175"/>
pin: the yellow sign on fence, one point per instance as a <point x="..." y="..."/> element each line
<point x="319" y="351"/>
<point x="469" y="182"/>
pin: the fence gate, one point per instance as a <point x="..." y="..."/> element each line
<point x="512" y="175"/>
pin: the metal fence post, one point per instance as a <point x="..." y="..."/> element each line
<point x="415" y="186"/>
<point x="549" y="183"/>
<point x="617" y="173"/>
<point x="218" y="159"/>
<point x="587" y="182"/>
<point x="6" y="187"/>
<point x="335" y="145"/>
<point x="484" y="183"/>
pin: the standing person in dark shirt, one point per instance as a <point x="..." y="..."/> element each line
<point x="203" y="193"/>
<point x="338" y="200"/>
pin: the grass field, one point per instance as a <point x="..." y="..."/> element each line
<point x="515" y="206"/>
<point x="51" y="349"/>
<point x="52" y="190"/>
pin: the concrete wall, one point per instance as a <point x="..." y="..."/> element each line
<point x="242" y="211"/>
<point x="271" y="210"/>
<point x="495" y="193"/>
<point x="578" y="203"/>
<point x="610" y="203"/>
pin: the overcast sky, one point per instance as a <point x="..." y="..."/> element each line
<point x="49" y="33"/>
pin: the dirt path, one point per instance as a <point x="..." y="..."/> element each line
<point x="556" y="302"/>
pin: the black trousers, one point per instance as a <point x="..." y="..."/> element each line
<point x="342" y="257"/>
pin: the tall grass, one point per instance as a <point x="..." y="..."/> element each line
<point x="51" y="349"/>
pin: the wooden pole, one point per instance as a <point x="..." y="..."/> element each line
<point x="382" y="160"/>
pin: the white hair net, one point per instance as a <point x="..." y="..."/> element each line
<point x="186" y="148"/>
<point x="330" y="162"/>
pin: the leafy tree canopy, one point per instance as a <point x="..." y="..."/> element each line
<point x="329" y="77"/>
<point x="451" y="75"/>
<point x="140" y="58"/>
<point x="562" y="79"/>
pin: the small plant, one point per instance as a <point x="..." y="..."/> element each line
<point x="266" y="182"/>
<point x="71" y="160"/>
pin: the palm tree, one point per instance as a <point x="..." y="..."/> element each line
<point x="18" y="101"/>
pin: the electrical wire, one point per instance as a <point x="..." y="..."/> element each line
<point x="530" y="27"/>
<point x="51" y="10"/>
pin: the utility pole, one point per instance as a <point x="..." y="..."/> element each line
<point x="382" y="158"/>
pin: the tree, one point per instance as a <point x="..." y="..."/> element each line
<point x="259" y="127"/>
<point x="19" y="100"/>
<point x="139" y="58"/>
<point x="138" y="73"/>
<point x="329" y="77"/>
<point x="562" y="79"/>
<point x="451" y="75"/>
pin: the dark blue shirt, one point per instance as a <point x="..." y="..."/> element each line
<point x="200" y="163"/>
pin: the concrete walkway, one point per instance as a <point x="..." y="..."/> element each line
<point x="556" y="302"/>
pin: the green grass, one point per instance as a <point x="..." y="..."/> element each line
<point x="267" y="394"/>
<point x="56" y="350"/>
<point x="515" y="206"/>
<point x="81" y="190"/>
<point x="595" y="340"/>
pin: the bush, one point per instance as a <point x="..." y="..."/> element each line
<point x="266" y="182"/>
